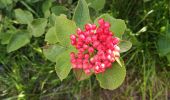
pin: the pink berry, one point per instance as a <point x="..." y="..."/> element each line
<point x="81" y="37"/>
<point x="87" y="71"/>
<point x="88" y="27"/>
<point x="79" y="31"/>
<point x="97" y="48"/>
<point x="72" y="54"/>
<point x="93" y="27"/>
<point x="85" y="46"/>
<point x="91" y="50"/>
<point x="101" y="21"/>
<point x="86" y="56"/>
<point x="107" y="25"/>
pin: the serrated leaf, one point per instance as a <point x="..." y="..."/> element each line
<point x="52" y="51"/>
<point x="80" y="74"/>
<point x="81" y="15"/>
<point x="23" y="16"/>
<point x="124" y="46"/>
<point x="118" y="26"/>
<point x="64" y="27"/>
<point x="37" y="27"/>
<point x="113" y="77"/>
<point x="51" y="36"/>
<point x="20" y="39"/>
<point x="57" y="10"/>
<point x="63" y="65"/>
<point x="96" y="4"/>
<point x="46" y="7"/>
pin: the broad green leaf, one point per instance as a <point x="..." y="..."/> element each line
<point x="52" y="51"/>
<point x="46" y="7"/>
<point x="113" y="77"/>
<point x="64" y="27"/>
<point x="124" y="45"/>
<point x="118" y="26"/>
<point x="51" y="36"/>
<point x="163" y="45"/>
<point x="37" y="27"/>
<point x="163" y="42"/>
<point x="96" y="4"/>
<point x="20" y="39"/>
<point x="80" y="74"/>
<point x="52" y="20"/>
<point x="81" y="15"/>
<point x="23" y="17"/>
<point x="63" y="65"/>
<point x="6" y="37"/>
<point x="5" y="3"/>
<point x="57" y="10"/>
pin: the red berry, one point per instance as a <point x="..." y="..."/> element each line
<point x="86" y="56"/>
<point x="91" y="50"/>
<point x="101" y="21"/>
<point x="99" y="39"/>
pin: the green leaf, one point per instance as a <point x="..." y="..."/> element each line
<point x="5" y="3"/>
<point x="80" y="74"/>
<point x="51" y="36"/>
<point x="37" y="27"/>
<point x="57" y="10"/>
<point x="63" y="65"/>
<point x="64" y="27"/>
<point x="118" y="26"/>
<point x="23" y="17"/>
<point x="20" y="39"/>
<point x="113" y="77"/>
<point x="52" y="20"/>
<point x="163" y="45"/>
<point x="46" y="7"/>
<point x="81" y="15"/>
<point x="96" y="4"/>
<point x="52" y="51"/>
<point x="163" y="42"/>
<point x="6" y="37"/>
<point x="124" y="45"/>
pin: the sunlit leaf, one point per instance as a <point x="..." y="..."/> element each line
<point x="23" y="16"/>
<point x="63" y="65"/>
<point x="52" y="51"/>
<point x="113" y="77"/>
<point x="37" y="27"/>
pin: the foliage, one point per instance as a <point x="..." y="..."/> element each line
<point x="34" y="49"/>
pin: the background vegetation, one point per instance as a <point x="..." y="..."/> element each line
<point x="27" y="74"/>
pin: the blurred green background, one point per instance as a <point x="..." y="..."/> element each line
<point x="26" y="74"/>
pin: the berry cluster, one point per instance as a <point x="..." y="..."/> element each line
<point x="97" y="48"/>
